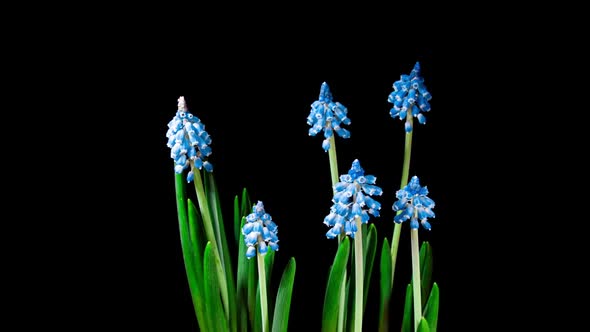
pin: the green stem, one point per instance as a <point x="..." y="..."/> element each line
<point x="206" y="214"/>
<point x="404" y="182"/>
<point x="333" y="161"/>
<point x="358" y="277"/>
<point x="334" y="172"/>
<point x="417" y="293"/>
<point x="334" y="176"/>
<point x="263" y="300"/>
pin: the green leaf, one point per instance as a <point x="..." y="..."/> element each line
<point x="258" y="313"/>
<point x="221" y="239"/>
<point x="335" y="280"/>
<point x="188" y="253"/>
<point x="198" y="239"/>
<point x="431" y="310"/>
<point x="369" y="250"/>
<point x="246" y="203"/>
<point x="349" y="304"/>
<point x="215" y="312"/>
<point x="385" y="286"/>
<point x="423" y="326"/>
<point x="425" y="271"/>
<point x="408" y="314"/>
<point x="242" y="286"/>
<point x="280" y="320"/>
<point x="237" y="219"/>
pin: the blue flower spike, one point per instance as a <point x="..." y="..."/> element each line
<point x="260" y="230"/>
<point x="328" y="116"/>
<point x="410" y="96"/>
<point x="414" y="205"/>
<point x="351" y="200"/>
<point x="188" y="140"/>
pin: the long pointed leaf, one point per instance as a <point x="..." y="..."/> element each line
<point x="188" y="254"/>
<point x="283" y="302"/>
<point x="198" y="239"/>
<point x="258" y="314"/>
<point x="246" y="204"/>
<point x="408" y="313"/>
<point x="385" y="286"/>
<point x="242" y="286"/>
<point x="370" y="248"/>
<point x="214" y="307"/>
<point x="431" y="311"/>
<point x="237" y="219"/>
<point x="423" y="326"/>
<point x="215" y="208"/>
<point x="425" y="271"/>
<point x="331" y="299"/>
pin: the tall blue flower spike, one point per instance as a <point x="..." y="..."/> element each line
<point x="185" y="132"/>
<point x="410" y="94"/>
<point x="351" y="199"/>
<point x="260" y="229"/>
<point x="327" y="115"/>
<point x="414" y="204"/>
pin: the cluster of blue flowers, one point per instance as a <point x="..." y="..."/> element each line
<point x="327" y="115"/>
<point x="260" y="229"/>
<point x="410" y="95"/>
<point x="414" y="204"/>
<point x="351" y="200"/>
<point x="185" y="132"/>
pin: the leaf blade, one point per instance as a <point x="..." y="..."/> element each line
<point x="431" y="310"/>
<point x="332" y="295"/>
<point x="385" y="286"/>
<point x="283" y="300"/>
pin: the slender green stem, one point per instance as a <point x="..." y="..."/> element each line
<point x="358" y="277"/>
<point x="206" y="214"/>
<point x="404" y="182"/>
<point x="333" y="161"/>
<point x="334" y="177"/>
<point x="417" y="293"/>
<point x="334" y="172"/>
<point x="263" y="300"/>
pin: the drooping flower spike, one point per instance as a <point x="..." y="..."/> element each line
<point x="260" y="229"/>
<point x="410" y="95"/>
<point x="414" y="204"/>
<point x="188" y="140"/>
<point x="327" y="115"/>
<point x="351" y="199"/>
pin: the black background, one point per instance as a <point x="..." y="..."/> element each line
<point x="253" y="88"/>
<point x="254" y="104"/>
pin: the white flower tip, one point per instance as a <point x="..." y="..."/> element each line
<point x="181" y="103"/>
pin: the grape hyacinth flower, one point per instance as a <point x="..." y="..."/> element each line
<point x="188" y="141"/>
<point x="327" y="115"/>
<point x="260" y="229"/>
<point x="414" y="204"/>
<point x="351" y="199"/>
<point x="410" y="95"/>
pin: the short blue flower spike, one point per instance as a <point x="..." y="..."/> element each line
<point x="185" y="132"/>
<point x="351" y="199"/>
<point x="414" y="204"/>
<point x="410" y="95"/>
<point x="260" y="229"/>
<point x="327" y="115"/>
